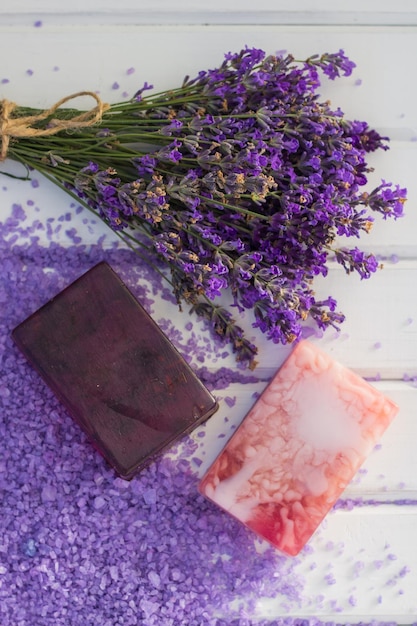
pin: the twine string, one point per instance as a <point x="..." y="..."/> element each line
<point x="20" y="127"/>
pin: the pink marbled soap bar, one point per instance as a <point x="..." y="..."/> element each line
<point x="298" y="448"/>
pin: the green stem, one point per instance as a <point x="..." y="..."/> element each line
<point x="238" y="209"/>
<point x="130" y="241"/>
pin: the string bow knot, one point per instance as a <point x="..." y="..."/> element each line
<point x="19" y="127"/>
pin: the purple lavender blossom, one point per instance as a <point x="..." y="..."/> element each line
<point x="239" y="180"/>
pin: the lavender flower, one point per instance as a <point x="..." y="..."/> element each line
<point x="240" y="180"/>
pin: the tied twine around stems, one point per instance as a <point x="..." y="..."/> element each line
<point x="23" y="127"/>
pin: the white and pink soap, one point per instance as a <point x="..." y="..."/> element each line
<point x="298" y="448"/>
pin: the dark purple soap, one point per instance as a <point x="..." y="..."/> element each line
<point x="116" y="372"/>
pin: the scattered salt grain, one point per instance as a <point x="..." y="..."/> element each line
<point x="30" y="548"/>
<point x="154" y="579"/>
<point x="99" y="502"/>
<point x="330" y="579"/>
<point x="49" y="493"/>
<point x="357" y="568"/>
<point x="149" y="496"/>
<point x="404" y="571"/>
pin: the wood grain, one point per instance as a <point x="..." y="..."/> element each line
<point x="163" y="41"/>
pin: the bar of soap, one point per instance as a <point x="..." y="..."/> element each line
<point x="114" y="369"/>
<point x="298" y="448"/>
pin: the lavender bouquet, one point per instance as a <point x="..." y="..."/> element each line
<point x="239" y="180"/>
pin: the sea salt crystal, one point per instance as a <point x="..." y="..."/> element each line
<point x="99" y="502"/>
<point x="48" y="493"/>
<point x="154" y="579"/>
<point x="149" y="496"/>
<point x="230" y="401"/>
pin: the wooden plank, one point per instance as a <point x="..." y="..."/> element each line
<point x="378" y="338"/>
<point x="358" y="571"/>
<point x="217" y="12"/>
<point x="201" y="47"/>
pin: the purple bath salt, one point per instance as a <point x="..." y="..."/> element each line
<point x="79" y="545"/>
<point x="230" y="401"/>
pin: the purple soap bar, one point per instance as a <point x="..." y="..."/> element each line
<point x="114" y="369"/>
<point x="298" y="448"/>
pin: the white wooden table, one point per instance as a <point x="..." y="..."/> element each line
<point x="90" y="45"/>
